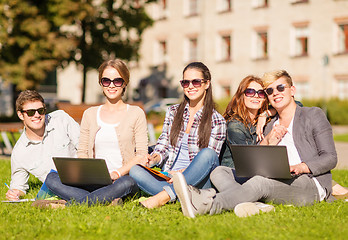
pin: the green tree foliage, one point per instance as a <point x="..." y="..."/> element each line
<point x="30" y="44"/>
<point x="36" y="36"/>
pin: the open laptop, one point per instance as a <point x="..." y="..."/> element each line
<point x="81" y="172"/>
<point x="267" y="161"/>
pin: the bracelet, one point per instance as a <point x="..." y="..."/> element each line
<point x="265" y="113"/>
<point x="118" y="173"/>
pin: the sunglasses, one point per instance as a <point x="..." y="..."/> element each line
<point x="107" y="81"/>
<point x="250" y="92"/>
<point x="31" y="112"/>
<point x="195" y="82"/>
<point x="280" y="88"/>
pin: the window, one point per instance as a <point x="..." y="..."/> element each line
<point x="343" y="38"/>
<point x="161" y="10"/>
<point x="342" y="85"/>
<point x="191" y="49"/>
<point x="224" y="5"/>
<point x="302" y="90"/>
<point x="260" y="3"/>
<point x="299" y="1"/>
<point x="160" y="55"/>
<point x="224" y="48"/>
<point x="299" y="43"/>
<point x="343" y="89"/>
<point x="191" y="7"/>
<point x="260" y="45"/>
<point x="341" y="35"/>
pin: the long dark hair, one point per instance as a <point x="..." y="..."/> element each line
<point x="204" y="129"/>
<point x="236" y="108"/>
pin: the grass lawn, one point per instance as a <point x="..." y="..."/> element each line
<point x="21" y="221"/>
<point x="341" y="138"/>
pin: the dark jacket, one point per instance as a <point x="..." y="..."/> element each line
<point x="237" y="133"/>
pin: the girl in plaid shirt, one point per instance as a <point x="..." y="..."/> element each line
<point x="191" y="140"/>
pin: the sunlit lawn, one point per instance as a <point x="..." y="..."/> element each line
<point x="21" y="221"/>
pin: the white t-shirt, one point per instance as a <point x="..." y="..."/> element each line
<point x="106" y="144"/>
<point x="294" y="157"/>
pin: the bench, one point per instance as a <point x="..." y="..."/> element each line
<point x="9" y="129"/>
<point x="74" y="110"/>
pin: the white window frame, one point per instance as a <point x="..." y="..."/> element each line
<point x="257" y="48"/>
<point x="296" y="49"/>
<point x="221" y="53"/>
<point x="302" y="90"/>
<point x="190" y="53"/>
<point x="224" y="5"/>
<point x="188" y="10"/>
<point x="343" y="89"/>
<point x="259" y="3"/>
<point x="160" y="54"/>
<point x="160" y="11"/>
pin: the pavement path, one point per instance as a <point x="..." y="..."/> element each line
<point x="342" y="154"/>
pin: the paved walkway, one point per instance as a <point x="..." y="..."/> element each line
<point x="341" y="147"/>
<point x="342" y="153"/>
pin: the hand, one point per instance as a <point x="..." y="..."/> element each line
<point x="299" y="169"/>
<point x="14" y="194"/>
<point x="152" y="160"/>
<point x="174" y="172"/>
<point x="275" y="136"/>
<point x="259" y="127"/>
<point x="114" y="175"/>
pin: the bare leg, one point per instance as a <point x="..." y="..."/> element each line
<point x="157" y="200"/>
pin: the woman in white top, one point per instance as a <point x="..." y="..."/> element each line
<point x="114" y="131"/>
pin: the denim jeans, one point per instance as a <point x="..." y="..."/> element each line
<point x="196" y="174"/>
<point x="122" y="187"/>
<point x="298" y="191"/>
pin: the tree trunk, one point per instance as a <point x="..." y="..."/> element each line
<point x="84" y="79"/>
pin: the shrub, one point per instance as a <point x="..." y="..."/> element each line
<point x="335" y="109"/>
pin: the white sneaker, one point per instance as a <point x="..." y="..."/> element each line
<point x="252" y="208"/>
<point x="193" y="201"/>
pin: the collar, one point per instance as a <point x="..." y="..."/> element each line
<point x="198" y="114"/>
<point x="48" y="129"/>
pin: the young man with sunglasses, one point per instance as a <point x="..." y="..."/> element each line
<point x="44" y="136"/>
<point x="306" y="133"/>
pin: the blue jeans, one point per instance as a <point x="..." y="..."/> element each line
<point x="196" y="174"/>
<point x="122" y="187"/>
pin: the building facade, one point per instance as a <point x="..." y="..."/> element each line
<point x="236" y="38"/>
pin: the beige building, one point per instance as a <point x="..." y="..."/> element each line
<point x="235" y="38"/>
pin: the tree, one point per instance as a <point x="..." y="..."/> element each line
<point x="111" y="29"/>
<point x="36" y="36"/>
<point x="30" y="44"/>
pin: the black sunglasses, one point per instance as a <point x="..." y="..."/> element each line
<point x="31" y="112"/>
<point x="195" y="82"/>
<point x="107" y="81"/>
<point x="280" y="88"/>
<point x="250" y="92"/>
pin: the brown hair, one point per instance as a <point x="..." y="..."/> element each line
<point x="204" y="129"/>
<point x="119" y="65"/>
<point x="28" y="96"/>
<point x="236" y="108"/>
<point x="270" y="77"/>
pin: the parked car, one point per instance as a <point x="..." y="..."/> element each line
<point x="161" y="105"/>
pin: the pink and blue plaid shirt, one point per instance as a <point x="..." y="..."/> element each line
<point x="165" y="149"/>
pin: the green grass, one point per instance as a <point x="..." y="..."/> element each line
<point x="21" y="221"/>
<point x="341" y="138"/>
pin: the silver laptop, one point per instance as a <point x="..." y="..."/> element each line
<point x="81" y="172"/>
<point x="267" y="161"/>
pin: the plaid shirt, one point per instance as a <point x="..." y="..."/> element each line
<point x="165" y="149"/>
